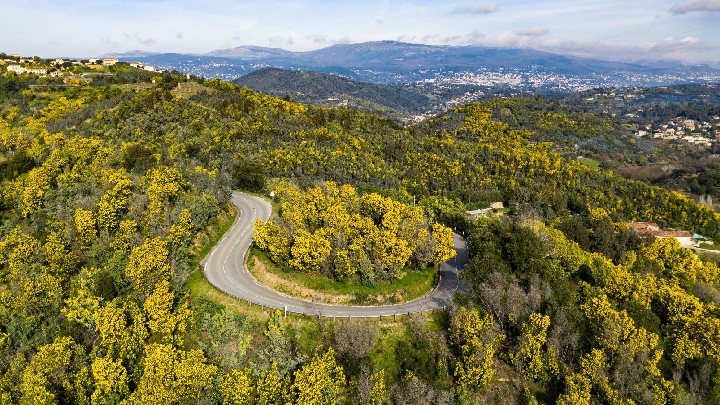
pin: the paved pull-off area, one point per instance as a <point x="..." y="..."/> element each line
<point x="225" y="269"/>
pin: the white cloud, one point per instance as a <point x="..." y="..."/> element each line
<point x="149" y="41"/>
<point x="279" y="40"/>
<point x="502" y="40"/>
<point x="480" y="9"/>
<point x="318" y="38"/>
<point x="472" y="38"/>
<point x="327" y="39"/>
<point x="688" y="49"/>
<point x="696" y="5"/>
<point x="406" y="38"/>
<point x="533" y="32"/>
<point x="110" y="43"/>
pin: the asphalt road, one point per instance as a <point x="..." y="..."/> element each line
<point x="225" y="269"/>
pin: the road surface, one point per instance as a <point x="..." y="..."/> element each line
<point x="225" y="269"/>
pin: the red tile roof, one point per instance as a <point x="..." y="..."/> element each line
<point x="651" y="229"/>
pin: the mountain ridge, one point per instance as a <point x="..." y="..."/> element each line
<point x="244" y="52"/>
<point x="399" y="62"/>
<point x="248" y="52"/>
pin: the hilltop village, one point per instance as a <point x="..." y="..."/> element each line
<point x="69" y="69"/>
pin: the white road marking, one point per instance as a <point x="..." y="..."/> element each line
<point x="234" y="280"/>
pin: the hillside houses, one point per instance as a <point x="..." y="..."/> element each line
<point x="20" y="69"/>
<point x="495" y="208"/>
<point x="60" y="66"/>
<point x="474" y="215"/>
<point x="16" y="68"/>
<point x="652" y="230"/>
<point x="694" y="132"/>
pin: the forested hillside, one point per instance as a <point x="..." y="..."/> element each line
<point x="111" y="191"/>
<point x="396" y="101"/>
<point x="615" y="128"/>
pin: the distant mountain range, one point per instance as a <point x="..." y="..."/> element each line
<point x="250" y="53"/>
<point x="398" y="62"/>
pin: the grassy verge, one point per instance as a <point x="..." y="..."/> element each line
<point x="318" y="288"/>
<point x="590" y="162"/>
<point x="393" y="331"/>
<point x="707" y="256"/>
<point x="198" y="287"/>
<point x="709" y="246"/>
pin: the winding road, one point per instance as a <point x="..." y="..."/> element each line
<point x="225" y="269"/>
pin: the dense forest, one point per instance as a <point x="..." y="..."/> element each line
<point x="112" y="191"/>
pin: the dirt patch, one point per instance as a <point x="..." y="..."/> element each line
<point x="646" y="173"/>
<point x="275" y="280"/>
<point x="136" y="86"/>
<point x="189" y="89"/>
<point x="292" y="288"/>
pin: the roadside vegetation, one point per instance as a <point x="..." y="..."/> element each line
<point x="319" y="288"/>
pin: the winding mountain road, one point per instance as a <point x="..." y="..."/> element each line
<point x="225" y="269"/>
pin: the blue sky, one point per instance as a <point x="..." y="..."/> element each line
<point x="686" y="30"/>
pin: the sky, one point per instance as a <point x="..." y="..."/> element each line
<point x="628" y="30"/>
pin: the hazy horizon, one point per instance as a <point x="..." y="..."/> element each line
<point x="685" y="31"/>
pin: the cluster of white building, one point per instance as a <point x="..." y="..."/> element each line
<point x="688" y="130"/>
<point x="19" y="64"/>
<point x="19" y="69"/>
<point x="139" y="65"/>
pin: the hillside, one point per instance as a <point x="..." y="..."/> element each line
<point x="405" y="103"/>
<point x="600" y="124"/>
<point x="112" y="191"/>
<point x="327" y="90"/>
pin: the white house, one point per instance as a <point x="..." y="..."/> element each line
<point x="37" y="71"/>
<point x="16" y="68"/>
<point x="474" y="215"/>
<point x="652" y="230"/>
<point x="110" y="61"/>
<point x="684" y="238"/>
